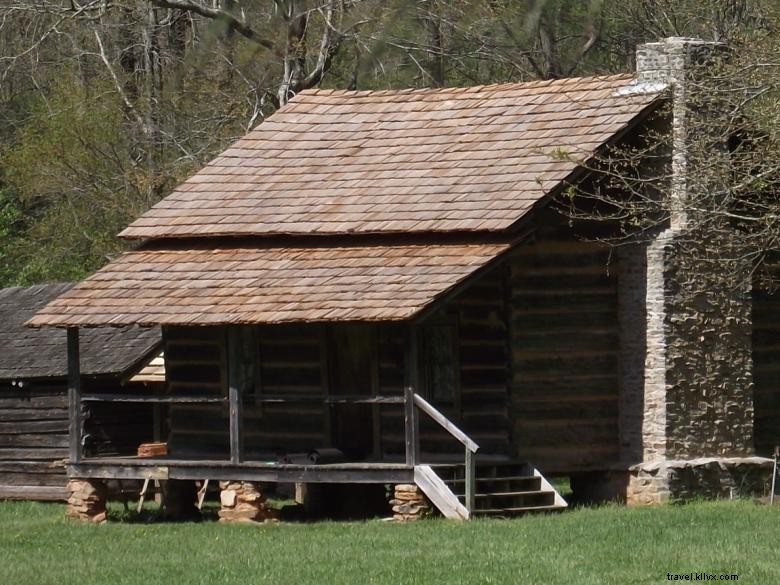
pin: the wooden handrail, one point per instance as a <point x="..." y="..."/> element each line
<point x="446" y="423"/>
<point x="155" y="399"/>
<point x="412" y="400"/>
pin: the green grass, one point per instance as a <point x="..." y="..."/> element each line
<point x="600" y="545"/>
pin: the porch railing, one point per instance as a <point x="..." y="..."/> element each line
<point x="413" y="402"/>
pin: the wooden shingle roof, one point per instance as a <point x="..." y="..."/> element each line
<point x="334" y="170"/>
<point x="229" y="285"/>
<point x="337" y="162"/>
<point x="28" y="353"/>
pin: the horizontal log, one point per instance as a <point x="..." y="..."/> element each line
<point x="193" y="334"/>
<point x="292" y="375"/>
<point x="483" y="355"/>
<point x="565" y="319"/>
<point x="34" y="479"/>
<point x="486" y="331"/>
<point x="11" y="414"/>
<point x="573" y="458"/>
<point x="47" y="493"/>
<point x="184" y="354"/>
<point x="32" y="454"/>
<point x="577" y="339"/>
<point x="483" y="399"/>
<point x="289" y="352"/>
<point x="564" y="364"/>
<point x="33" y="426"/>
<point x="481" y="377"/>
<point x="34" y="402"/>
<point x="193" y="373"/>
<point x="45" y="467"/>
<point x="291" y="390"/>
<point x="541" y="413"/>
<point x="551" y="436"/>
<point x="35" y="440"/>
<point x="535" y="284"/>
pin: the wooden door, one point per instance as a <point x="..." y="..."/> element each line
<point x="351" y="359"/>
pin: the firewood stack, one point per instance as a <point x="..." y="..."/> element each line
<point x="86" y="501"/>
<point x="242" y="502"/>
<point x="409" y="503"/>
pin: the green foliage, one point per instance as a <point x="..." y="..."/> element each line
<point x="609" y="545"/>
<point x="104" y="118"/>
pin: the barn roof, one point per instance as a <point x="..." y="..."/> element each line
<point x="331" y="171"/>
<point x="30" y="353"/>
<point x="430" y="160"/>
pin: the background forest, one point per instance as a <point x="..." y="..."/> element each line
<point x="105" y="105"/>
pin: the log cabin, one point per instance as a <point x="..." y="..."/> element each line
<point x="34" y="394"/>
<point x="381" y="276"/>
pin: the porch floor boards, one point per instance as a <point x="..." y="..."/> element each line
<point x="163" y="468"/>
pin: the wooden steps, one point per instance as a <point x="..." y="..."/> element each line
<point x="505" y="489"/>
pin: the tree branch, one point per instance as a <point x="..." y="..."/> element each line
<point x="232" y="21"/>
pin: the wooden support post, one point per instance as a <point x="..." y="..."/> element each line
<point x="412" y="428"/>
<point x="236" y="383"/>
<point x="411" y="418"/>
<point x="74" y="396"/>
<point x="471" y="480"/>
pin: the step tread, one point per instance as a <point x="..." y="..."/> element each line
<point x="479" y="511"/>
<point x="509" y="494"/>
<point x="503" y="478"/>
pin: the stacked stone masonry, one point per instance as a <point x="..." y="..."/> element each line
<point x="409" y="503"/>
<point x="242" y="501"/>
<point x="87" y="500"/>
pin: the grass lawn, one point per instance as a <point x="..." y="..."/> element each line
<point x="601" y="545"/>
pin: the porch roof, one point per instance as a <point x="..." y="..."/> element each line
<point x="231" y="284"/>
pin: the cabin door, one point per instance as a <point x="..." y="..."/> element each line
<point x="351" y="359"/>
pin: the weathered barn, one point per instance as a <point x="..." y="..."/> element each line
<point x="34" y="399"/>
<point x="380" y="275"/>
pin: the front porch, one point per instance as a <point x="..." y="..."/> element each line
<point x="217" y="432"/>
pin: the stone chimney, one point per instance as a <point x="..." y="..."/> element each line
<point x="686" y="395"/>
<point x="677" y="62"/>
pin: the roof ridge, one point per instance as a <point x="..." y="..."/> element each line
<point x="465" y="89"/>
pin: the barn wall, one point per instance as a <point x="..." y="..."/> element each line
<point x="34" y="433"/>
<point x="33" y="437"/>
<point x="565" y="342"/>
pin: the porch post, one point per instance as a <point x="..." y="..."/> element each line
<point x="411" y="421"/>
<point x="74" y="395"/>
<point x="235" y="386"/>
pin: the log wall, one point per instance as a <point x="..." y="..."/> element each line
<point x="565" y="342"/>
<point x="33" y="439"/>
<point x="766" y="365"/>
<point x="34" y="433"/>
<point x="194" y="366"/>
<point x="292" y="362"/>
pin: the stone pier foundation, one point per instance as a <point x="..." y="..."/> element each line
<point x="409" y="503"/>
<point x="243" y="501"/>
<point x="87" y="500"/>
